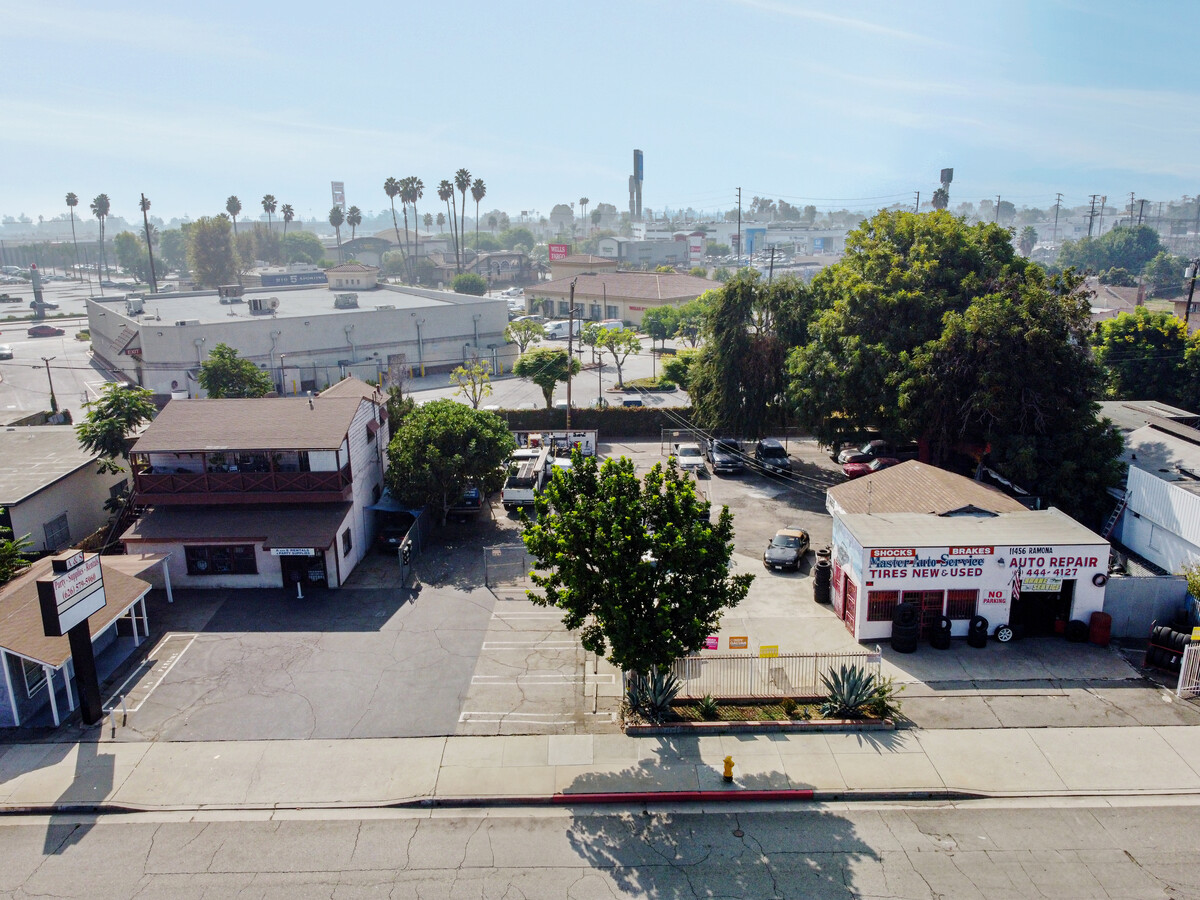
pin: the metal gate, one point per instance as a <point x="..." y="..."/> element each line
<point x="1189" y="673"/>
<point x="506" y="564"/>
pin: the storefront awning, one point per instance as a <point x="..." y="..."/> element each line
<point x="289" y="525"/>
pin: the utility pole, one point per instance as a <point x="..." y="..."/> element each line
<point x="917" y="205"/>
<point x="1092" y="213"/>
<point x="1057" y="207"/>
<point x="1103" y="201"/>
<point x="1131" y="209"/>
<point x="1141" y="210"/>
<point x="149" y="247"/>
<point x="771" y="274"/>
<point x="1187" y="312"/>
<point x="570" y="335"/>
<point x="739" y="231"/>
<point x="997" y="209"/>
<point x="54" y="402"/>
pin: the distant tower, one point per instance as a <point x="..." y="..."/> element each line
<point x="635" y="188"/>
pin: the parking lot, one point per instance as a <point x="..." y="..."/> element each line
<point x="448" y="655"/>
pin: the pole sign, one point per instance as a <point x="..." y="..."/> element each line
<point x="695" y="243"/>
<point x="73" y="592"/>
<point x="559" y="251"/>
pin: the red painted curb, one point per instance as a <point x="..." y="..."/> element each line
<point x="683" y="796"/>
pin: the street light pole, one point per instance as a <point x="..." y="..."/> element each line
<point x="54" y="402"/>
<point x="1187" y="312"/>
<point x="570" y="335"/>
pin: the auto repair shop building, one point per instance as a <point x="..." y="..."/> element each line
<point x="957" y="548"/>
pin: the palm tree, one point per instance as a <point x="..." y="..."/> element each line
<point x="428" y="220"/>
<point x="288" y="215"/>
<point x="583" y="202"/>
<point x="336" y="218"/>
<point x="417" y="191"/>
<point x="462" y="181"/>
<point x="144" y="205"/>
<point x="391" y="187"/>
<point x="353" y="219"/>
<point x="233" y="206"/>
<point x="406" y="197"/>
<point x="446" y="193"/>
<point x="441" y="220"/>
<point x="100" y="208"/>
<point x="72" y="202"/>
<point x="268" y="202"/>
<point x="478" y="192"/>
<point x="492" y="223"/>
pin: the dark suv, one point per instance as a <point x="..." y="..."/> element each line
<point x="772" y="456"/>
<point x="724" y="454"/>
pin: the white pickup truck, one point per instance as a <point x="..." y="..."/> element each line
<point x="528" y="470"/>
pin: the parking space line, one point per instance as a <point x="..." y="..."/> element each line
<point x="528" y="645"/>
<point x="552" y="680"/>
<point x="168" y="664"/>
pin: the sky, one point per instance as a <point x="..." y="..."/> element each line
<point x="849" y="104"/>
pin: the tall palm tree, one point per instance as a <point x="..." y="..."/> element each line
<point x="144" y="205"/>
<point x="268" y="202"/>
<point x="353" y="219"/>
<point x="492" y="221"/>
<point x="288" y="215"/>
<point x="72" y="202"/>
<point x="336" y="218"/>
<point x="406" y="197"/>
<point x="583" y="202"/>
<point x="100" y="208"/>
<point x="446" y="194"/>
<point x="441" y="220"/>
<point x="462" y="181"/>
<point x="233" y="206"/>
<point x="391" y="187"/>
<point x="428" y="220"/>
<point x="417" y="191"/>
<point x="478" y="192"/>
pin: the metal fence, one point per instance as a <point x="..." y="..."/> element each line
<point x="730" y="676"/>
<point x="1189" y="673"/>
<point x="506" y="564"/>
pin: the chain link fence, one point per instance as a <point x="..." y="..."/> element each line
<point x="506" y="564"/>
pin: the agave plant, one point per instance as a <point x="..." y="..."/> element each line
<point x="650" y="695"/>
<point x="851" y="692"/>
<point x="708" y="707"/>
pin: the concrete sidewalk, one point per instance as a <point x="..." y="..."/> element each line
<point x="353" y="773"/>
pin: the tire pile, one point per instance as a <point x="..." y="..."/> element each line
<point x="906" y="627"/>
<point x="1166" y="648"/>
<point x="977" y="632"/>
<point x="822" y="580"/>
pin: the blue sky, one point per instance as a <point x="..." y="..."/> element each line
<point x="837" y="104"/>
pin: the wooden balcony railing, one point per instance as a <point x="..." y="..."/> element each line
<point x="163" y="484"/>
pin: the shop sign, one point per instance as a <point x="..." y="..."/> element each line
<point x="74" y="590"/>
<point x="739" y="643"/>
<point x="1043" y="562"/>
<point x="559" y="251"/>
<point x="911" y="562"/>
<point x="768" y="651"/>
<point x="712" y="642"/>
<point x="1196" y="634"/>
<point x="293" y="551"/>
<point x="1040" y="584"/>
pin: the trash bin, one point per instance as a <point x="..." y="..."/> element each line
<point x="1100" y="628"/>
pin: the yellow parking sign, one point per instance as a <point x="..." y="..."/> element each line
<point x="767" y="651"/>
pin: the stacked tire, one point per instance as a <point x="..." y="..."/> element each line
<point x="822" y="580"/>
<point x="906" y="627"/>
<point x="1076" y="631"/>
<point x="1166" y="648"/>
<point x="977" y="632"/>
<point x="940" y="639"/>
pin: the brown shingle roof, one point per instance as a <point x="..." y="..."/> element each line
<point x="21" y="616"/>
<point x="313" y="525"/>
<point x="915" y="487"/>
<point x="268" y="423"/>
<point x="350" y="387"/>
<point x="633" y="285"/>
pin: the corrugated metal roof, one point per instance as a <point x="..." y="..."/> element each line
<point x="1035" y="527"/>
<point x="268" y="423"/>
<point x="919" y="488"/>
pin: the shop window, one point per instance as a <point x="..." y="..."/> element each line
<point x="58" y="535"/>
<point x="211" y="559"/>
<point x="610" y="312"/>
<point x="961" y="604"/>
<point x="594" y="311"/>
<point x="347" y="542"/>
<point x="881" y="605"/>
<point x="35" y="677"/>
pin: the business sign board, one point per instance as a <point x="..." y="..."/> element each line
<point x="293" y="551"/>
<point x="338" y="189"/>
<point x="559" y="251"/>
<point x="712" y="642"/>
<point x="739" y="643"/>
<point x="695" y="244"/>
<point x="294" y="278"/>
<point x="768" y="651"/>
<point x="73" y="591"/>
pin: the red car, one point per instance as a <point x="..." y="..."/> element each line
<point x="45" y="331"/>
<point x="857" y="469"/>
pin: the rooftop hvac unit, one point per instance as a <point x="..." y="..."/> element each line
<point x="134" y="306"/>
<point x="231" y="293"/>
<point x="345" y="301"/>
<point x="386" y="306"/>
<point x="263" y="305"/>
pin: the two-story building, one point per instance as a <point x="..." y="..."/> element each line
<point x="261" y="493"/>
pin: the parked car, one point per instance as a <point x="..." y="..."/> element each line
<point x="391" y="535"/>
<point x="858" y="469"/>
<point x="870" y="450"/>
<point x="45" y="331"/>
<point x="6" y="351"/>
<point x="725" y="455"/>
<point x="772" y="456"/>
<point x="469" y="504"/>
<point x="689" y="458"/>
<point x="46" y="304"/>
<point x="786" y="549"/>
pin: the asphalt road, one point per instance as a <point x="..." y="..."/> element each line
<point x="985" y="850"/>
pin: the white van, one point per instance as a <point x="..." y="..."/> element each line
<point x="613" y="324"/>
<point x="557" y="331"/>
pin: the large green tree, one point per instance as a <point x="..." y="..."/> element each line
<point x="620" y="342"/>
<point x="1142" y="354"/>
<point x="226" y="375"/>
<point x="211" y="254"/>
<point x="737" y="385"/>
<point x="524" y="334"/>
<point x="442" y="447"/>
<point x="302" y="247"/>
<point x="660" y="323"/>
<point x="1124" y="247"/>
<point x="1164" y="274"/>
<point x="111" y="421"/>
<point x="635" y="565"/>
<point x="132" y="255"/>
<point x="901" y="274"/>
<point x="546" y="368"/>
<point x="172" y="250"/>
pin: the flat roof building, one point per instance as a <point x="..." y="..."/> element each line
<point x="616" y="295"/>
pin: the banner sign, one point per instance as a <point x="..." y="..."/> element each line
<point x="768" y="651"/>
<point x="739" y="643"/>
<point x="712" y="642"/>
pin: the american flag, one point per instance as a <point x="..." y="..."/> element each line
<point x="1016" y="584"/>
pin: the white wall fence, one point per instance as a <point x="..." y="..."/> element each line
<point x="730" y="676"/>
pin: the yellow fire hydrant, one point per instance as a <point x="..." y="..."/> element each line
<point x="728" y="776"/>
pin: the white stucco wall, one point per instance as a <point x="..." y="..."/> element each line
<point x="81" y="495"/>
